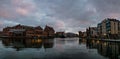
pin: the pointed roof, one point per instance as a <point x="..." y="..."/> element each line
<point x="38" y="27"/>
<point x="48" y="28"/>
<point x="23" y="26"/>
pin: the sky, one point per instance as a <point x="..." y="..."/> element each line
<point x="63" y="15"/>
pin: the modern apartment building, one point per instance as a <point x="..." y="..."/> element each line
<point x="108" y="27"/>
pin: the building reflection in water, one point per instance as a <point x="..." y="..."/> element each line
<point x="20" y="44"/>
<point x="110" y="50"/>
<point x="106" y="49"/>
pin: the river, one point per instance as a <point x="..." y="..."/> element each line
<point x="58" y="48"/>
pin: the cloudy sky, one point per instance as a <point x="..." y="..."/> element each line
<point x="63" y="15"/>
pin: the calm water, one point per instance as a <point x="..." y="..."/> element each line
<point x="58" y="48"/>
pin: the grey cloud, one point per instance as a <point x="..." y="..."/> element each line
<point x="69" y="15"/>
<point x="107" y="8"/>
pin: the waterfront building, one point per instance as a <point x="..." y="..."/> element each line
<point x="82" y="34"/>
<point x="108" y="27"/>
<point x="99" y="29"/>
<point x="28" y="31"/>
<point x="17" y="30"/>
<point x="70" y="34"/>
<point x="60" y="34"/>
<point x="93" y="32"/>
<point x="49" y="31"/>
<point x="38" y="31"/>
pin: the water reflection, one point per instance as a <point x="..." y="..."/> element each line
<point x="58" y="48"/>
<point x="20" y="44"/>
<point x="110" y="50"/>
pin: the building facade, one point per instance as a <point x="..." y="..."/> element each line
<point x="60" y="34"/>
<point x="93" y="32"/>
<point x="109" y="27"/>
<point x="82" y="34"/>
<point x="27" y="31"/>
<point x="49" y="31"/>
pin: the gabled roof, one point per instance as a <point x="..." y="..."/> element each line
<point x="48" y="28"/>
<point x="38" y="27"/>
